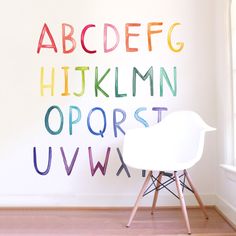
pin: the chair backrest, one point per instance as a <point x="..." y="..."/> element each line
<point x="176" y="143"/>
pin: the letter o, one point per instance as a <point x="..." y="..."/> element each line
<point x="46" y="120"/>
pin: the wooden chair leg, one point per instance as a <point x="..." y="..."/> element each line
<point x="156" y="193"/>
<point x="182" y="202"/>
<point x="196" y="194"/>
<point x="139" y="198"/>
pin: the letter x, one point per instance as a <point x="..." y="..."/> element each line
<point x="123" y="165"/>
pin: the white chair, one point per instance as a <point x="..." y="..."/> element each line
<point x="173" y="145"/>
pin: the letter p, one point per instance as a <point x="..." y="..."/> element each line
<point x="74" y="119"/>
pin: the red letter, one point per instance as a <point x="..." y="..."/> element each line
<point x="127" y="35"/>
<point x="82" y="39"/>
<point x="105" y="38"/>
<point x="40" y="45"/>
<point x="150" y="32"/>
<point x="68" y="37"/>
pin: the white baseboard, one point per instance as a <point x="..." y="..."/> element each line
<point x="121" y="200"/>
<point x="96" y="200"/>
<point x="227" y="209"/>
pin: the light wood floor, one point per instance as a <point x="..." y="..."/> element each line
<point x="104" y="222"/>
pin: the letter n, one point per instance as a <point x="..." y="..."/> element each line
<point x="164" y="76"/>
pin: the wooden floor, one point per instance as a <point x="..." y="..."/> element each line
<point x="110" y="222"/>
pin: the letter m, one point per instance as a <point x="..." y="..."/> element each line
<point x="149" y="74"/>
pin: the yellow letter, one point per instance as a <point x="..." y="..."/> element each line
<point x="43" y="86"/>
<point x="180" y="44"/>
<point x="66" y="92"/>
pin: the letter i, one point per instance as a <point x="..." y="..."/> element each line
<point x="66" y="92"/>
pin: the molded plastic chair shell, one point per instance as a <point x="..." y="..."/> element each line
<point x="176" y="143"/>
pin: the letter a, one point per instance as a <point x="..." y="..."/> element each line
<point x="41" y="45"/>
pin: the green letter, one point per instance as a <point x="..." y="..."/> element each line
<point x="164" y="75"/>
<point x="149" y="73"/>
<point x="117" y="94"/>
<point x="98" y="82"/>
<point x="82" y="69"/>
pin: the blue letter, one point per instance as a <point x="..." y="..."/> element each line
<point x="101" y="131"/>
<point x="138" y="118"/>
<point x="116" y="125"/>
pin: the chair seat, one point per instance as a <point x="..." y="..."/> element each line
<point x="176" y="143"/>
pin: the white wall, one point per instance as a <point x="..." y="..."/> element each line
<point x="226" y="181"/>
<point x="23" y="109"/>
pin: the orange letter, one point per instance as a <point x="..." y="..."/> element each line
<point x="150" y="32"/>
<point x="127" y="35"/>
<point x="180" y="44"/>
<point x="66" y="90"/>
<point x="68" y="37"/>
<point x="41" y="45"/>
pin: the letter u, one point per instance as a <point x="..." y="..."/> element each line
<point x="49" y="162"/>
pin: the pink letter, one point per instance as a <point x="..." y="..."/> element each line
<point x="82" y="39"/>
<point x="40" y="43"/>
<point x="68" y="37"/>
<point x="105" y="38"/>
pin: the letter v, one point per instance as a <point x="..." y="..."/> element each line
<point x="69" y="168"/>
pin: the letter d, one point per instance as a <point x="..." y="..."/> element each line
<point x="106" y="49"/>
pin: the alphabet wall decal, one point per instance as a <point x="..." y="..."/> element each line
<point x="153" y="82"/>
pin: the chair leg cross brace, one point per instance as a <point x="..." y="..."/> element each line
<point x="157" y="184"/>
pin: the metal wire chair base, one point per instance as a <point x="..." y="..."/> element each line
<point x="158" y="185"/>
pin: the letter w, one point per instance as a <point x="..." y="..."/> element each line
<point x="102" y="168"/>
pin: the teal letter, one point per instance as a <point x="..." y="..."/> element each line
<point x="149" y="73"/>
<point x="47" y="118"/>
<point x="117" y="94"/>
<point x="76" y="120"/>
<point x="163" y="75"/>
